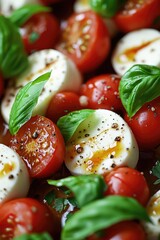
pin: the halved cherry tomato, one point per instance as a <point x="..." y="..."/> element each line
<point x="85" y="39"/>
<point x="41" y="31"/>
<point x="25" y="215"/>
<point x="128" y="230"/>
<point x="145" y="125"/>
<point x="102" y="92"/>
<point x="61" y="104"/>
<point x="127" y="182"/>
<point x="137" y="14"/>
<point x="41" y="145"/>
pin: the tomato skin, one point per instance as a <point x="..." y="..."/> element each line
<point x="61" y="104"/>
<point x="44" y="27"/>
<point x="127" y="182"/>
<point x="128" y="230"/>
<point x="145" y="125"/>
<point x="102" y="92"/>
<point x="40" y="144"/>
<point x="91" y="42"/>
<point x="25" y="215"/>
<point x="137" y="17"/>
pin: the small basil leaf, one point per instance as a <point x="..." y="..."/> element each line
<point x="13" y="59"/>
<point x="156" y="172"/>
<point x="21" y="15"/>
<point x="101" y="214"/>
<point x="106" y="8"/>
<point x="86" y="188"/>
<point x="40" y="236"/>
<point x="140" y="84"/>
<point x="70" y="122"/>
<point x="25" y="102"/>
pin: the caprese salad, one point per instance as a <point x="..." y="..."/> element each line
<point x="80" y="120"/>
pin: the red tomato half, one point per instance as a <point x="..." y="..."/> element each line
<point x="102" y="92"/>
<point x="85" y="39"/>
<point x="40" y="144"/>
<point x="127" y="182"/>
<point x="61" y="104"/>
<point x="137" y="14"/>
<point x="127" y="230"/>
<point x="41" y="31"/>
<point x="25" y="215"/>
<point x="145" y="125"/>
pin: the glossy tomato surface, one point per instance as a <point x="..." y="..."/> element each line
<point x="137" y="14"/>
<point x="145" y="125"/>
<point x="128" y="230"/>
<point x="85" y="39"/>
<point x="41" y="31"/>
<point x="40" y="144"/>
<point x="102" y="92"/>
<point x="127" y="182"/>
<point x="25" y="215"/>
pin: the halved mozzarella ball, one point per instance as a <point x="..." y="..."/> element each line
<point x="8" y="6"/>
<point x="101" y="142"/>
<point x="153" y="210"/>
<point x="64" y="77"/>
<point x="137" y="47"/>
<point x="14" y="176"/>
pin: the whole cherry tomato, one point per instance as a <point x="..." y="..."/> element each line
<point x="85" y="39"/>
<point x="145" y="125"/>
<point x="41" y="31"/>
<point x="128" y="230"/>
<point x="63" y="103"/>
<point x="25" y="215"/>
<point x="102" y="92"/>
<point x="40" y="144"/>
<point x="127" y="182"/>
<point x="137" y="14"/>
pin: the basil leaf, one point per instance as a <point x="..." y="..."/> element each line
<point x="25" y="101"/>
<point x="156" y="172"/>
<point x="70" y="122"/>
<point x="107" y="8"/>
<point x="140" y="84"/>
<point x="101" y="214"/>
<point x="21" y="15"/>
<point x="13" y="59"/>
<point x="40" y="236"/>
<point x="86" y="188"/>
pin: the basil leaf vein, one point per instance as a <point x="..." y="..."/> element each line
<point x="140" y="84"/>
<point x="13" y="59"/>
<point x="25" y="102"/>
<point x="86" y="188"/>
<point x="101" y="214"/>
<point x="70" y="122"/>
<point x="21" y="15"/>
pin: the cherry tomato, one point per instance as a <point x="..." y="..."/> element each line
<point x="48" y="2"/>
<point x="145" y="125"/>
<point x="128" y="230"/>
<point x="61" y="104"/>
<point x="41" y="31"/>
<point x="127" y="182"/>
<point x="85" y="39"/>
<point x="25" y="215"/>
<point x="40" y="144"/>
<point x="102" y="92"/>
<point x="137" y="14"/>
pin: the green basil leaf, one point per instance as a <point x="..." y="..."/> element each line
<point x="140" y="84"/>
<point x="86" y="188"/>
<point x="13" y="59"/>
<point x="40" y="236"/>
<point x="70" y="122"/>
<point x="156" y="172"/>
<point x="21" y="15"/>
<point x="25" y="102"/>
<point x="101" y="214"/>
<point x="107" y="8"/>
